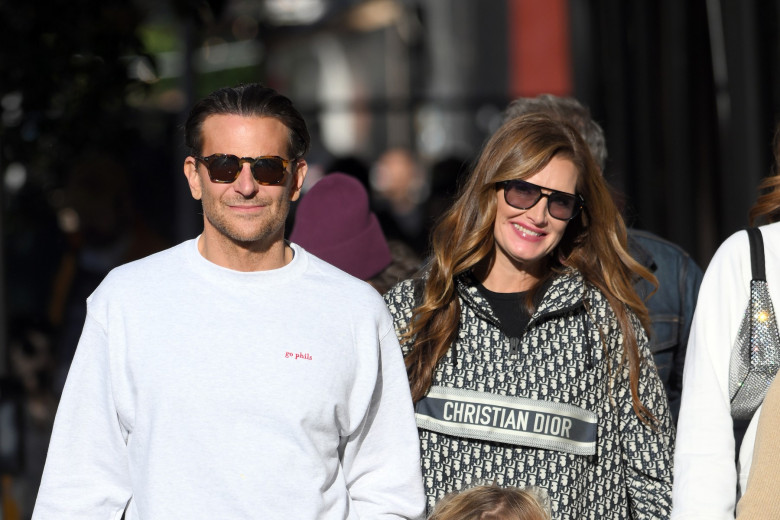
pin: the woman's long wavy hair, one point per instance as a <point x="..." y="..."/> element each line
<point x="594" y="243"/>
<point x="767" y="206"/>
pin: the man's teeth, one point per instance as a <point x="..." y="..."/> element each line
<point x="526" y="231"/>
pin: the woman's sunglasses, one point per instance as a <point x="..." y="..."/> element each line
<point x="224" y="168"/>
<point x="524" y="195"/>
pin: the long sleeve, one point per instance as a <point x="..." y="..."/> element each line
<point x="201" y="392"/>
<point x="761" y="499"/>
<point x="381" y="459"/>
<point x="705" y="483"/>
<point x="86" y="474"/>
<point x="647" y="450"/>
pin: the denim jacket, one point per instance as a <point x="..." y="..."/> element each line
<point x="671" y="306"/>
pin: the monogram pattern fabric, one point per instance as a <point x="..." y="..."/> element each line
<point x="571" y="354"/>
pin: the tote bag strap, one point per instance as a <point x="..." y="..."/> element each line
<point x="757" y="265"/>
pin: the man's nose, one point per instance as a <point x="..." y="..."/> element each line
<point x="245" y="183"/>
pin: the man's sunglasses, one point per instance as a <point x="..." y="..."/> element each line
<point x="224" y="168"/>
<point x="524" y="195"/>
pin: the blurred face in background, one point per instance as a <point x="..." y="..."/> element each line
<point x="398" y="178"/>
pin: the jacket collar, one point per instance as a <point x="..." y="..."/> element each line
<point x="639" y="253"/>
<point x="565" y="291"/>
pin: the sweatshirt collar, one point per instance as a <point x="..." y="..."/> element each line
<point x="232" y="278"/>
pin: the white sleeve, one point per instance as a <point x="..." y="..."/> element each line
<point x="86" y="473"/>
<point x="381" y="459"/>
<point x="705" y="477"/>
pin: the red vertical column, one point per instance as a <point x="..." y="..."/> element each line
<point x="539" y="54"/>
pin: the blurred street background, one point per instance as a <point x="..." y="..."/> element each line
<point x="401" y="93"/>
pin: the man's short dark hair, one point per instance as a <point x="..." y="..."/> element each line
<point x="250" y="100"/>
<point x="568" y="110"/>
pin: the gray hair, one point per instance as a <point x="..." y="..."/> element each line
<point x="568" y="110"/>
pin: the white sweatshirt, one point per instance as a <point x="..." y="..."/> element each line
<point x="201" y="392"/>
<point x="705" y="474"/>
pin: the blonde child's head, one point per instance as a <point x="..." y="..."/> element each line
<point x="493" y="503"/>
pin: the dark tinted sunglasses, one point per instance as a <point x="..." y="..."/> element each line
<point x="224" y="168"/>
<point x="524" y="195"/>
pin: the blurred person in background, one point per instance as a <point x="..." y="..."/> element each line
<point x="352" y="166"/>
<point x="235" y="375"/>
<point x="524" y="339"/>
<point x="104" y="230"/>
<point x="446" y="175"/>
<point x="335" y="223"/>
<point x="672" y="302"/>
<point x="98" y="226"/>
<point x="400" y="187"/>
<point x="349" y="165"/>
<point x="712" y="464"/>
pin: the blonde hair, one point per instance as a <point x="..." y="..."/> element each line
<point x="493" y="503"/>
<point x="594" y="243"/>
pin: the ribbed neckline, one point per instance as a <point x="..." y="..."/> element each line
<point x="229" y="277"/>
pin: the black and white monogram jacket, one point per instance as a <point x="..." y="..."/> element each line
<point x="552" y="410"/>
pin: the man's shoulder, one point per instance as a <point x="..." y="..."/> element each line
<point x="136" y="282"/>
<point x="173" y="256"/>
<point x="330" y="277"/>
<point x="159" y="264"/>
<point x="329" y="272"/>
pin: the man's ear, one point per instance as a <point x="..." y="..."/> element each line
<point x="193" y="178"/>
<point x="298" y="177"/>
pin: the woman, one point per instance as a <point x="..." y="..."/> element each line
<point x="707" y="481"/>
<point x="524" y="341"/>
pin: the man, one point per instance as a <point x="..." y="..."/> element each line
<point x="671" y="305"/>
<point x="235" y="375"/>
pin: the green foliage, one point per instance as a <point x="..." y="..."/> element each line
<point x="159" y="38"/>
